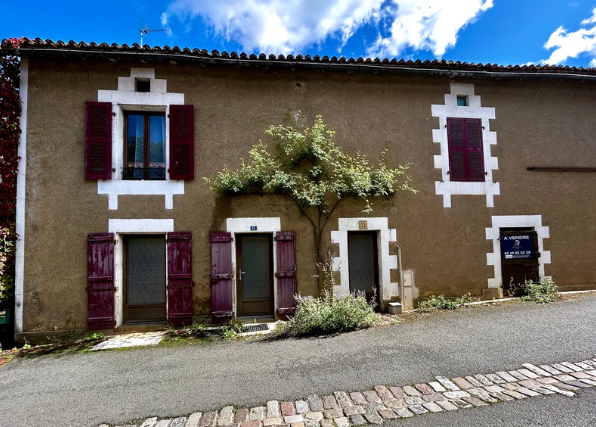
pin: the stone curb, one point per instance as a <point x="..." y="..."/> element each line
<point x="342" y="409"/>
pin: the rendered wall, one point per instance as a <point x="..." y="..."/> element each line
<point x="537" y="124"/>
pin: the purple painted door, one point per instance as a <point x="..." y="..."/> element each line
<point x="179" y="285"/>
<point x="221" y="276"/>
<point x="286" y="273"/>
<point x="100" y="281"/>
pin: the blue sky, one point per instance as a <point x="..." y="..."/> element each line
<point x="495" y="31"/>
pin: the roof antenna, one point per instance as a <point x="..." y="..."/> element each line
<point x="146" y="30"/>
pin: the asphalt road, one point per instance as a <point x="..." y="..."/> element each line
<point x="117" y="386"/>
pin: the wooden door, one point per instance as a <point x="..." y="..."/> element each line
<point x="254" y="284"/>
<point x="363" y="263"/>
<point x="179" y="285"/>
<point x="221" y="276"/>
<point x="100" y="281"/>
<point x="519" y="258"/>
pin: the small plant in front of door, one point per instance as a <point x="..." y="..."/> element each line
<point x="231" y="329"/>
<point x="544" y="291"/>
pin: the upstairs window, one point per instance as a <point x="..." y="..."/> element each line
<point x="466" y="157"/>
<point x="144" y="146"/>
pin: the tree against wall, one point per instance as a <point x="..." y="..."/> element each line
<point x="314" y="173"/>
<point x="10" y="114"/>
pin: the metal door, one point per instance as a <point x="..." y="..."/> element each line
<point x="363" y="263"/>
<point x="255" y="274"/>
<point x="145" y="278"/>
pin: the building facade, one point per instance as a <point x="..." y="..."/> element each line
<point x="117" y="225"/>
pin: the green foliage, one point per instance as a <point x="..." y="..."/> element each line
<point x="544" y="291"/>
<point x="466" y="299"/>
<point x="441" y="303"/>
<point x="232" y="328"/>
<point x="313" y="172"/>
<point x="94" y="337"/>
<point x="311" y="169"/>
<point x="328" y="315"/>
<point x="10" y="131"/>
<point x="196" y="330"/>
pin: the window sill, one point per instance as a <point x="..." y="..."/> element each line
<point x="126" y="187"/>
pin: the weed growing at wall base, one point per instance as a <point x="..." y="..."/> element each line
<point x="442" y="303"/>
<point x="329" y="314"/>
<point x="541" y="292"/>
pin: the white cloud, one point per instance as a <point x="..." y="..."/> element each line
<point x="165" y="23"/>
<point x="279" y="26"/>
<point x="572" y="44"/>
<point x="290" y="26"/>
<point x="427" y="24"/>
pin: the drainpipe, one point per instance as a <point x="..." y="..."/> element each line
<point x="401" y="280"/>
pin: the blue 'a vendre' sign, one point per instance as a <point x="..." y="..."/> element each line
<point x="517" y="247"/>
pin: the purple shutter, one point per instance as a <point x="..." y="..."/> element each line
<point x="179" y="286"/>
<point x="182" y="139"/>
<point x="474" y="148"/>
<point x="221" y="276"/>
<point x="100" y="281"/>
<point x="98" y="140"/>
<point x="286" y="273"/>
<point x="466" y="158"/>
<point x="455" y="137"/>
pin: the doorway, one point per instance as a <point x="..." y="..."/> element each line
<point x="519" y="258"/>
<point x="254" y="279"/>
<point x="145" y="278"/>
<point x="363" y="264"/>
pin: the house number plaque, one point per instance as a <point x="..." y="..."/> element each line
<point x="362" y="225"/>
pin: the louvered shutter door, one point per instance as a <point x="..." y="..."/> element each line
<point x="100" y="281"/>
<point x="286" y="273"/>
<point x="221" y="276"/>
<point x="457" y="150"/>
<point x="179" y="285"/>
<point x="182" y="142"/>
<point x="98" y="140"/>
<point x="475" y="166"/>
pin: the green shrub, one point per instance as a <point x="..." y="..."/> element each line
<point x="329" y="314"/>
<point x="441" y="303"/>
<point x="232" y="328"/>
<point x="544" y="291"/>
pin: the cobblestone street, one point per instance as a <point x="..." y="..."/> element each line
<point x="343" y="409"/>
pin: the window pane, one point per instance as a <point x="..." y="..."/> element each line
<point x="157" y="143"/>
<point x="134" y="144"/>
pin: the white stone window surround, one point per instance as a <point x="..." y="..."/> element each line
<point x="473" y="110"/>
<point x="265" y="225"/>
<point x="131" y="226"/>
<point x="126" y="99"/>
<point x="386" y="262"/>
<point x="515" y="221"/>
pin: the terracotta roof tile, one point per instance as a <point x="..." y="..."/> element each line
<point x="39" y="46"/>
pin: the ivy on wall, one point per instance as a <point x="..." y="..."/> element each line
<point x="10" y="131"/>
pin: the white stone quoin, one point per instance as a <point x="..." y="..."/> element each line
<point x="123" y="99"/>
<point x="474" y="110"/>
<point x="386" y="262"/>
